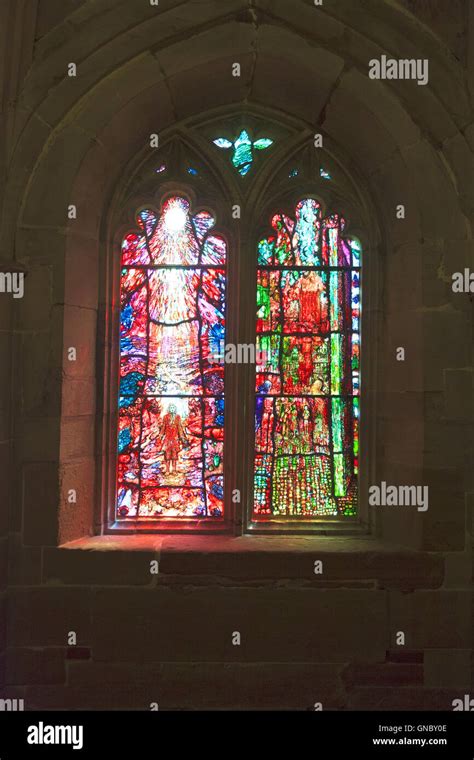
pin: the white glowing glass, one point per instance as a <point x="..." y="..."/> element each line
<point x="175" y="219"/>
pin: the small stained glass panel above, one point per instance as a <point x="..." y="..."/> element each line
<point x="243" y="149"/>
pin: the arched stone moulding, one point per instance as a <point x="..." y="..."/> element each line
<point x="145" y="46"/>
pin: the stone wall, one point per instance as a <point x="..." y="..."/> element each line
<point x="168" y="638"/>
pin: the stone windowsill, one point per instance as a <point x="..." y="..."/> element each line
<point x="347" y="561"/>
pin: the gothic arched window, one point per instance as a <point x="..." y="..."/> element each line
<point x="171" y="419"/>
<point x="292" y="420"/>
<point x="307" y="378"/>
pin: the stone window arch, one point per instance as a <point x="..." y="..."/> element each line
<point x="200" y="162"/>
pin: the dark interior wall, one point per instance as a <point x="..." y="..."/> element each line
<point x="16" y="32"/>
<point x="68" y="142"/>
<point x="448" y="22"/>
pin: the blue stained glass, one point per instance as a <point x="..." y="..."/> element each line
<point x="124" y="439"/>
<point x="126" y="319"/>
<point x="130" y="384"/>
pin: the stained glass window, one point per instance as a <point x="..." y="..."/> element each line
<point x="171" y="403"/>
<point x="307" y="382"/>
<point x="243" y="147"/>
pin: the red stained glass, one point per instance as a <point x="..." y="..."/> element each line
<point x="171" y="404"/>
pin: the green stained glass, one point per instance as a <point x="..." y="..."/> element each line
<point x="265" y="252"/>
<point x="307" y="384"/>
<point x="355" y="419"/>
<point x="337" y="411"/>
<point x="243" y="147"/>
<point x="333" y="246"/>
<point x="265" y="142"/>
<point x="336" y="357"/>
<point x="339" y="488"/>
<point x="334" y="299"/>
<point x="263" y="302"/>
